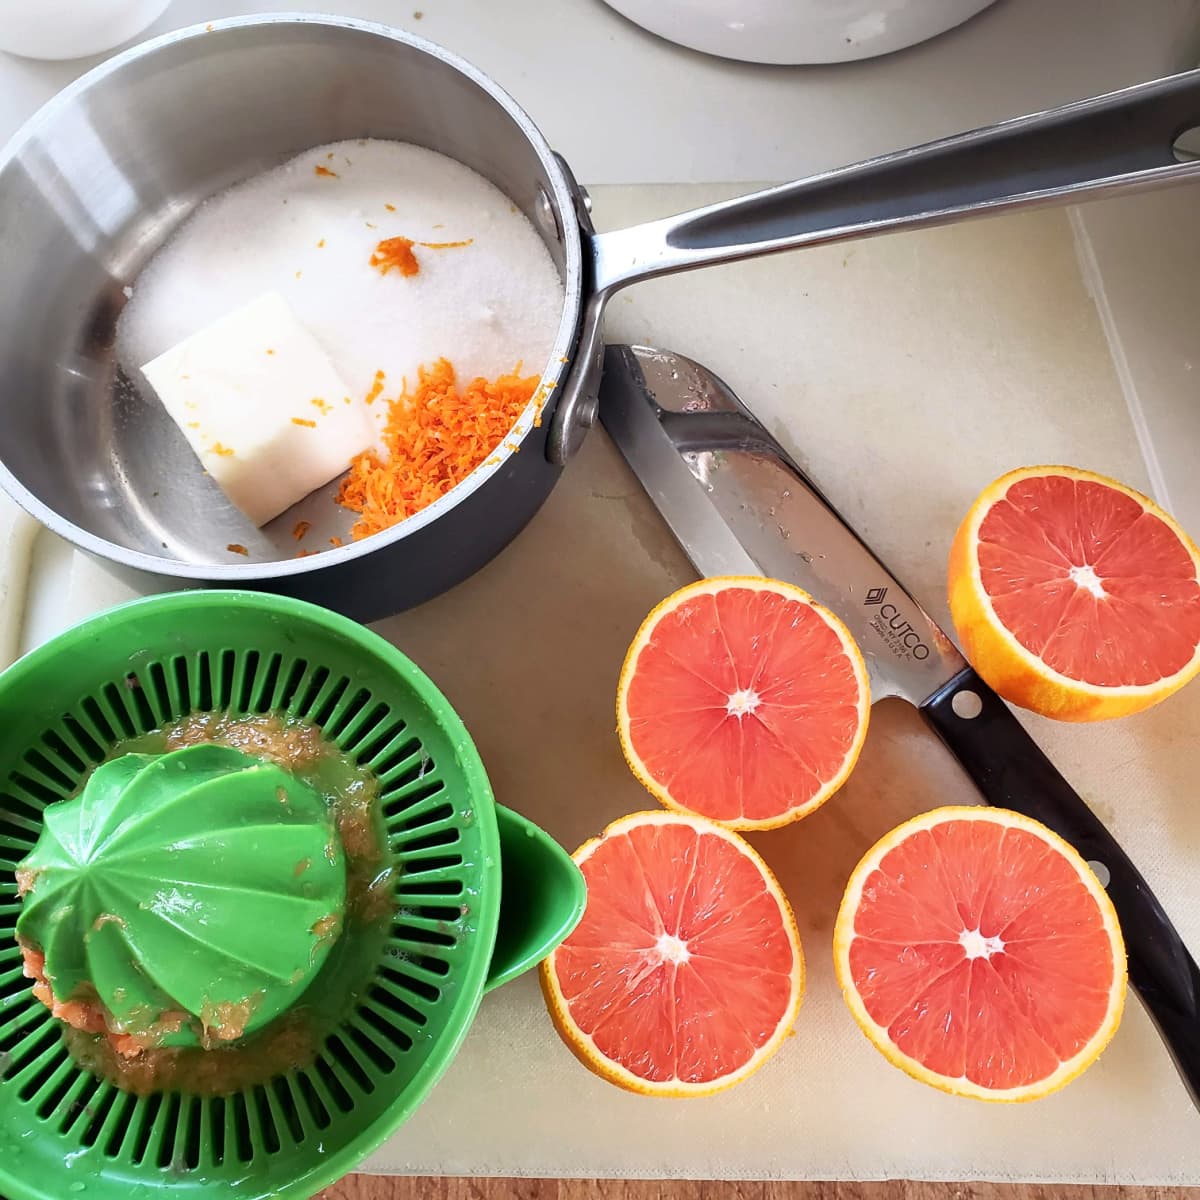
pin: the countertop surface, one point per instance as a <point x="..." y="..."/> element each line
<point x="905" y="373"/>
<point x="626" y="107"/>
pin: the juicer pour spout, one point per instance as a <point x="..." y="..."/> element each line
<point x="541" y="901"/>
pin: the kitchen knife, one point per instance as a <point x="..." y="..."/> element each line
<point x="739" y="505"/>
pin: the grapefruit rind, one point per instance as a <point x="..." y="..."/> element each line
<point x="1008" y="667"/>
<point x="713" y="585"/>
<point x="581" y="1044"/>
<point x="843" y="936"/>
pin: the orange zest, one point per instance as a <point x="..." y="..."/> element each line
<point x="395" y="252"/>
<point x="398" y="252"/>
<point x="376" y="388"/>
<point x="301" y="528"/>
<point x="305" y="422"/>
<point x="320" y="170"/>
<point x="236" y="548"/>
<point x="435" y="437"/>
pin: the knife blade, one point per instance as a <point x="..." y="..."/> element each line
<point x="740" y="505"/>
<point x="762" y="515"/>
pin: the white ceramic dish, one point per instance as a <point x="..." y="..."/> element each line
<point x="798" y="31"/>
<point x="62" y="29"/>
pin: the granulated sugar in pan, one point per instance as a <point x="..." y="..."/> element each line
<point x="391" y="255"/>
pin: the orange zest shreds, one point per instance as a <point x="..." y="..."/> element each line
<point x="376" y="388"/>
<point x="321" y="405"/>
<point x="305" y="422"/>
<point x="305" y="554"/>
<point x="221" y="451"/>
<point x="236" y="548"/>
<point x="320" y="170"/>
<point x="435" y="437"/>
<point x="321" y="244"/>
<point x="302" y="527"/>
<point x="390" y="207"/>
<point x="335" y="541"/>
<point x="540" y="402"/>
<point x="395" y="252"/>
<point x="398" y="252"/>
<point x="269" y="351"/>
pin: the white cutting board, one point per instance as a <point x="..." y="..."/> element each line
<point x="905" y="373"/>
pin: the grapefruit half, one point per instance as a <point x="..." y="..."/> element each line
<point x="686" y="972"/>
<point x="1075" y="596"/>
<point x="980" y="954"/>
<point x="742" y="700"/>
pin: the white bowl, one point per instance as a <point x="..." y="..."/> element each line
<point x="798" y="31"/>
<point x="58" y="29"/>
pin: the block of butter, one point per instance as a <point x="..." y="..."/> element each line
<point x="262" y="405"/>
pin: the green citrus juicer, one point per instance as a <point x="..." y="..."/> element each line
<point x="480" y="894"/>
<point x="203" y="883"/>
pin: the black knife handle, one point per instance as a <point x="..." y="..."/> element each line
<point x="1008" y="768"/>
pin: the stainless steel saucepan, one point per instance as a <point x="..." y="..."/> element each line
<point x="99" y="178"/>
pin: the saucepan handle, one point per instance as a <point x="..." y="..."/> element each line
<point x="1008" y="768"/>
<point x="1124" y="141"/>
